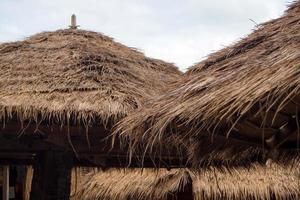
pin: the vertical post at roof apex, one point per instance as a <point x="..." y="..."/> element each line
<point x="73" y="22"/>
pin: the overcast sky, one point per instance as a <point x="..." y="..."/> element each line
<point x="178" y="31"/>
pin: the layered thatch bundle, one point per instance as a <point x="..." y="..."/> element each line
<point x="257" y="182"/>
<point x="247" y="92"/>
<point x="125" y="184"/>
<point x="79" y="75"/>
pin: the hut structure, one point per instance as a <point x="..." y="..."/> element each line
<point x="60" y="94"/>
<point x="237" y="110"/>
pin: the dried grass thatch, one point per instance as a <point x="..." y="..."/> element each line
<point x="79" y="75"/>
<point x="125" y="184"/>
<point x="251" y="88"/>
<point x="256" y="182"/>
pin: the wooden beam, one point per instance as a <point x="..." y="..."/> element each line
<point x="42" y="130"/>
<point x="5" y="192"/>
<point x="96" y="152"/>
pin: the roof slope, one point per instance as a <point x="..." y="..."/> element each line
<point x="257" y="76"/>
<point x="77" y="74"/>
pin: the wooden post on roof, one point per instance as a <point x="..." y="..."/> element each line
<point x="73" y="22"/>
<point x="52" y="176"/>
<point x="5" y="192"/>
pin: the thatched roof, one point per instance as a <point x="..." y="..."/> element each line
<point x="257" y="182"/>
<point x="125" y="184"/>
<point x="249" y="90"/>
<point x="77" y="74"/>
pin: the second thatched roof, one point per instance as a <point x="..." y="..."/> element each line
<point x="249" y="92"/>
<point x="79" y="75"/>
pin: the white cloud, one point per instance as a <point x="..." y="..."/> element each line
<point x="182" y="32"/>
